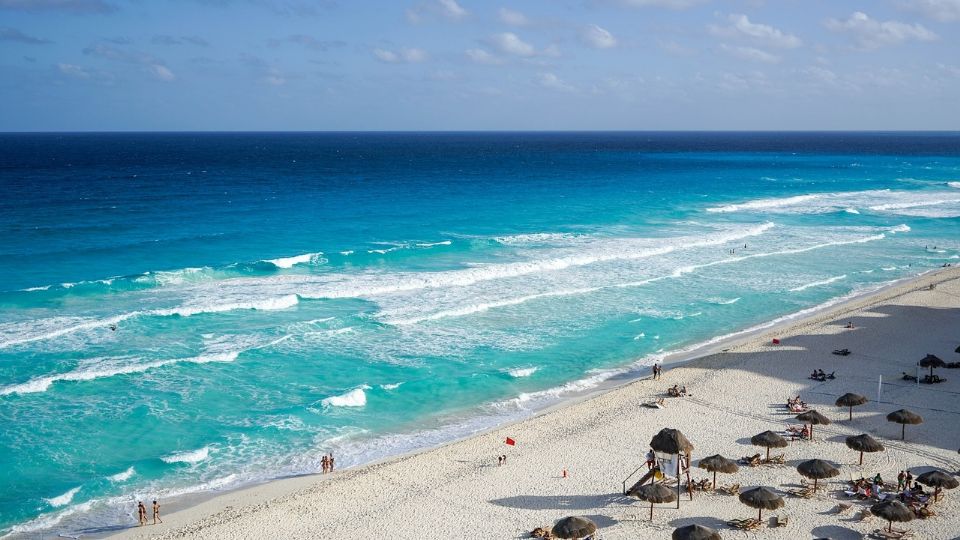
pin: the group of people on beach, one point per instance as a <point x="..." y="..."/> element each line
<point x="657" y="371"/>
<point x="819" y="375"/>
<point x="142" y="513"/>
<point x="327" y="463"/>
<point x="501" y="460"/>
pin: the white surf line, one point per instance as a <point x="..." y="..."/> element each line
<point x="818" y="283"/>
<point x="479" y="308"/>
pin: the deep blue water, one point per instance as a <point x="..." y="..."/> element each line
<point x="279" y="295"/>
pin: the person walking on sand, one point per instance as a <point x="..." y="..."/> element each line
<point x="324" y="464"/>
<point x="330" y="462"/>
<point x="156" y="513"/>
<point x="141" y="513"/>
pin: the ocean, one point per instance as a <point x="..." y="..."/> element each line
<point x="183" y="313"/>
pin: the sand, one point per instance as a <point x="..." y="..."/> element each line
<point x="458" y="490"/>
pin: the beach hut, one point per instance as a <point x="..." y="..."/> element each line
<point x="938" y="480"/>
<point x="769" y="440"/>
<point x="892" y="510"/>
<point x="695" y="532"/>
<point x="812" y="417"/>
<point x="904" y="417"/>
<point x="654" y="493"/>
<point x="574" y="527"/>
<point x="932" y="361"/>
<point x="762" y="499"/>
<point x="718" y="463"/>
<point x="674" y="443"/>
<point x="817" y="469"/>
<point x="863" y="443"/>
<point x="850" y="400"/>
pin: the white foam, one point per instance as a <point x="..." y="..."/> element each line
<point x="851" y="210"/>
<point x="764" y="204"/>
<point x="289" y="262"/>
<point x="954" y="184"/>
<point x="903" y="227"/>
<point x="723" y="301"/>
<point x="109" y="368"/>
<point x="347" y="252"/>
<point x="354" y="398"/>
<point x="393" y="386"/>
<point x="639" y="336"/>
<point x="432" y="244"/>
<point x="522" y="372"/>
<point x="536" y="238"/>
<point x="122" y="476"/>
<point x="921" y="203"/>
<point x="64" y="499"/>
<point x="818" y="283"/>
<point x="190" y="456"/>
<point x="31" y="289"/>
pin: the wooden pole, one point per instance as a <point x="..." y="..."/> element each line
<point x="861" y="457"/>
<point x="903" y="437"/>
<point x="651" y="511"/>
<point x="851" y="412"/>
<point x="678" y="481"/>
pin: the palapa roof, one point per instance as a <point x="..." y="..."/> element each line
<point x="671" y="441"/>
<point x="718" y="463"/>
<point x="892" y="510"/>
<point x="761" y="498"/>
<point x="695" y="532"/>
<point x="655" y="493"/>
<point x="813" y="417"/>
<point x="850" y="400"/>
<point x="574" y="527"/>
<point x="863" y="443"/>
<point x="932" y="361"/>
<point x="938" y="479"/>
<point x="817" y="468"/>
<point x="768" y="439"/>
<point x="904" y="416"/>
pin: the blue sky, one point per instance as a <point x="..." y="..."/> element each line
<point x="470" y="64"/>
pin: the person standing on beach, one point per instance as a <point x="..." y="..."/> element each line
<point x="900" y="478"/>
<point x="324" y="464"/>
<point x="654" y="369"/>
<point x="156" y="513"/>
<point x="141" y="513"/>
<point x="330" y="462"/>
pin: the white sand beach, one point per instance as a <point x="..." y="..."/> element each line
<point x="458" y="490"/>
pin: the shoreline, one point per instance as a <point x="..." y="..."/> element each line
<point x="201" y="507"/>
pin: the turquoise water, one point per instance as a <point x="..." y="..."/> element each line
<point x="184" y="313"/>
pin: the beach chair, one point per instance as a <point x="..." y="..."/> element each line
<point x="778" y="459"/>
<point x="842" y="508"/>
<point x="803" y="493"/>
<point x="729" y="490"/>
<point x="748" y="524"/>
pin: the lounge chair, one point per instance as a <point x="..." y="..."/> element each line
<point x="895" y="534"/>
<point x="748" y="524"/>
<point x="752" y="461"/>
<point x="778" y="459"/>
<point x="842" y="352"/>
<point x="729" y="490"/>
<point x="803" y="493"/>
<point x="658" y="404"/>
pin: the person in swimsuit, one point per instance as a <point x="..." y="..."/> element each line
<point x="141" y="513"/>
<point x="156" y="513"/>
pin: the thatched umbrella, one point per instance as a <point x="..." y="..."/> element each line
<point x="850" y="400"/>
<point x="957" y="349"/>
<point x="904" y="417"/>
<point x="672" y="441"/>
<point x="761" y="498"/>
<point x="931" y="361"/>
<point x="654" y="493"/>
<point x="718" y="463"/>
<point x="770" y="440"/>
<point x="817" y="469"/>
<point x="863" y="443"/>
<point x="574" y="527"/>
<point x="695" y="532"/>
<point x="892" y="510"/>
<point x="937" y="479"/>
<point x="812" y="417"/>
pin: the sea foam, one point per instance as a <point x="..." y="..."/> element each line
<point x="122" y="476"/>
<point x="190" y="456"/>
<point x="354" y="398"/>
<point x="289" y="262"/>
<point x="64" y="499"/>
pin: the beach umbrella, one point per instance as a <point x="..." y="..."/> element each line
<point x="717" y="464"/>
<point x="817" y="469"/>
<point x="762" y="499"/>
<point x="812" y="417"/>
<point x="863" y="443"/>
<point x="850" y="400"/>
<point x="671" y="441"/>
<point x="654" y="493"/>
<point x="770" y="440"/>
<point x="892" y="510"/>
<point x="695" y="532"/>
<point x="904" y="417"/>
<point x="931" y="362"/>
<point x="937" y="479"/>
<point x="957" y="350"/>
<point x="574" y="527"/>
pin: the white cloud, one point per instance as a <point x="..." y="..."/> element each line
<point x="162" y="72"/>
<point x="513" y="18"/>
<point x="448" y="9"/>
<point x="941" y="10"/>
<point x="403" y="56"/>
<point x="751" y="54"/>
<point x="871" y="33"/>
<point x="598" y="38"/>
<point x="452" y="10"/>
<point x="551" y="81"/>
<point x="509" y="43"/>
<point x="670" y="4"/>
<point x="741" y="27"/>
<point x="481" y="56"/>
<point x="73" y="71"/>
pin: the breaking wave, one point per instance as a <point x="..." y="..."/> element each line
<point x="190" y="456"/>
<point x="354" y="398"/>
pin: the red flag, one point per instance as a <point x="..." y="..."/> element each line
<point x="511" y="442"/>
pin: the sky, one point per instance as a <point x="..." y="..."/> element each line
<point x="285" y="65"/>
